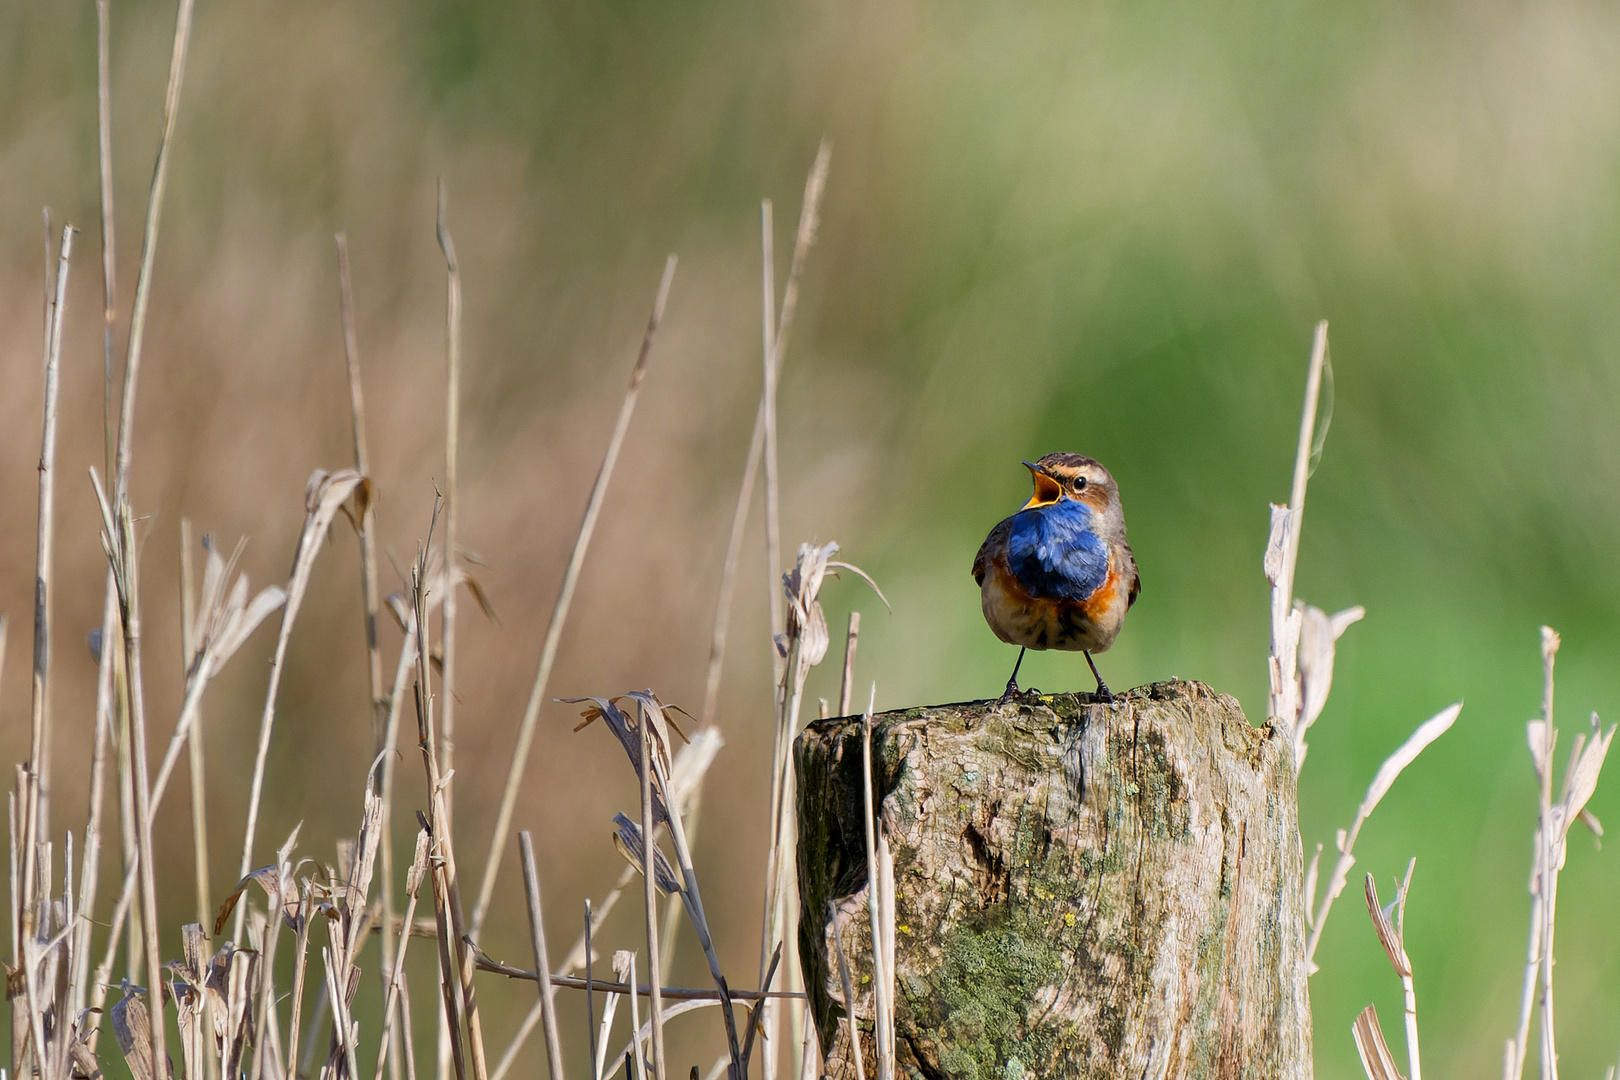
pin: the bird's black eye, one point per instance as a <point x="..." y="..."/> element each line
<point x="1079" y="483"/>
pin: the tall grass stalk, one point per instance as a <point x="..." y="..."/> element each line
<point x="565" y="599"/>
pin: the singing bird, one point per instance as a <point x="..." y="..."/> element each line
<point x="1058" y="574"/>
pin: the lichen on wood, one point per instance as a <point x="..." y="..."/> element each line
<point x="1082" y="889"/>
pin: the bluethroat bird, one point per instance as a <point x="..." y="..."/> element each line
<point x="1058" y="574"/>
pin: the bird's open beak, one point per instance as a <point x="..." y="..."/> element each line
<point x="1047" y="490"/>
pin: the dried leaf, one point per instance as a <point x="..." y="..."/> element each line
<point x="419" y="862"/>
<point x="1428" y="731"/>
<point x="1319" y="633"/>
<point x="1387" y="936"/>
<point x="691" y="763"/>
<point x="132" y="1027"/>
<point x="1277" y="542"/>
<point x="1583" y="775"/>
<point x="1376" y="1059"/>
<point x="628" y="733"/>
<point x="1535" y="732"/>
<point x="627" y="838"/>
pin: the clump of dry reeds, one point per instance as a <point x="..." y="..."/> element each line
<point x="240" y="1005"/>
<point x="1301" y="669"/>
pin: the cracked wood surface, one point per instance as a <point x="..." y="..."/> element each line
<point x="1082" y="890"/>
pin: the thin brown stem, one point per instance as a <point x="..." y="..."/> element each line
<point x="452" y="437"/>
<point x="38" y="813"/>
<point x="380" y="702"/>
<point x="194" y="736"/>
<point x="139" y="782"/>
<point x="143" y="281"/>
<point x="565" y="598"/>
<point x="809" y="215"/>
<point x="847" y="686"/>
<point x="109" y="267"/>
<point x="542" y="963"/>
<point x="773" y="509"/>
<point x="650" y="893"/>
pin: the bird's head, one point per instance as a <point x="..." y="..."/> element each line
<point x="1070" y="476"/>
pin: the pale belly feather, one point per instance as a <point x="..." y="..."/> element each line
<point x="1019" y="619"/>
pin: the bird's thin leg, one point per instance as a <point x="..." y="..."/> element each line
<point x="1012" y="683"/>
<point x="1102" y="687"/>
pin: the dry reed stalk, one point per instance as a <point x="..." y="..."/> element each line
<point x="198" y="777"/>
<point x="1555" y="818"/>
<point x="542" y="964"/>
<point x="803" y="643"/>
<point x="198" y="774"/>
<point x="630" y="838"/>
<point x="847" y="685"/>
<point x="773" y="510"/>
<point x="306" y="907"/>
<point x="269" y="937"/>
<point x="109" y="262"/>
<point x="755" y="1026"/>
<point x="1376" y="1059"/>
<point x="367" y="529"/>
<point x="809" y="216"/>
<point x="126" y="820"/>
<point x="1428" y="731"/>
<point x="323" y="498"/>
<point x="880" y="911"/>
<point x="224" y="619"/>
<point x="670" y="993"/>
<point x="650" y="893"/>
<point x="89" y="878"/>
<point x="565" y="599"/>
<point x="635" y="1011"/>
<point x="120" y="538"/>
<point x="40" y="728"/>
<point x="1282" y="554"/>
<point x="452" y="438"/>
<point x="849" y="995"/>
<point x="395" y="983"/>
<point x="353" y="913"/>
<point x="590" y="996"/>
<point x="342" y="1027"/>
<point x="455" y="955"/>
<point x="89" y="875"/>
<point x="686" y="788"/>
<point x="1392" y="936"/>
<point x="143" y="280"/>
<point x="119" y="542"/>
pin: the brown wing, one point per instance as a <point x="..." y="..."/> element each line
<point x="996" y="539"/>
<point x="1136" y="579"/>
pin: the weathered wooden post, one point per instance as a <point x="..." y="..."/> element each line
<point x="1082" y="890"/>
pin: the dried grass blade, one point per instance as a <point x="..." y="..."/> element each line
<point x="542" y="964"/>
<point x="809" y="216"/>
<point x="565" y="598"/>
<point x="452" y="440"/>
<point x="326" y="493"/>
<point x="1376" y="1059"/>
<point x="143" y="281"/>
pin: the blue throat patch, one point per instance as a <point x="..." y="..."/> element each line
<point x="1054" y="553"/>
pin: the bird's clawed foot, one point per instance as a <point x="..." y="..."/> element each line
<point x="1012" y="683"/>
<point x="1103" y="692"/>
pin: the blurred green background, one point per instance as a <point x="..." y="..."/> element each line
<point x="1096" y="226"/>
